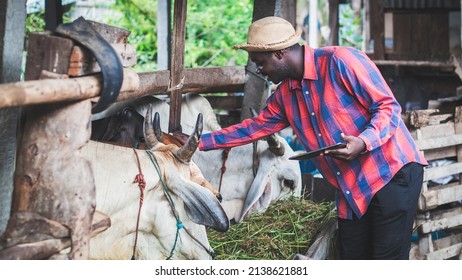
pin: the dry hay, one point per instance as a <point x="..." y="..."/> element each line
<point x="287" y="227"/>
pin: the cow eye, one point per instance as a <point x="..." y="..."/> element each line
<point x="289" y="184"/>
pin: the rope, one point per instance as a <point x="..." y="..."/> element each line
<point x="139" y="178"/>
<point x="223" y="166"/>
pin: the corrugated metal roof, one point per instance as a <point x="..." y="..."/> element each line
<point x="421" y="4"/>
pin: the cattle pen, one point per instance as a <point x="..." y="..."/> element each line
<point x="64" y="85"/>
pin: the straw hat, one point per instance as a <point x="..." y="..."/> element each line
<point x="270" y="34"/>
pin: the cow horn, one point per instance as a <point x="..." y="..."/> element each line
<point x="186" y="152"/>
<point x="157" y="130"/>
<point x="149" y="136"/>
<point x="274" y="144"/>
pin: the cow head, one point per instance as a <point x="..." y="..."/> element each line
<point x="175" y="200"/>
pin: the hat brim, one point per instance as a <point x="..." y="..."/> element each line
<point x="270" y="47"/>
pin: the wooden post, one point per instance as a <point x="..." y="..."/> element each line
<point x="12" y="26"/>
<point x="177" y="62"/>
<point x="163" y="34"/>
<point x="333" y="23"/>
<point x="377" y="28"/>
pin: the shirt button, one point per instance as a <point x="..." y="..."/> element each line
<point x="312" y="113"/>
<point x="347" y="192"/>
<point x="319" y="134"/>
<point x="338" y="173"/>
<point x="307" y="92"/>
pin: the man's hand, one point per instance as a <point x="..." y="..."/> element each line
<point x="355" y="146"/>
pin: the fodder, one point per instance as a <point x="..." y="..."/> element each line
<point x="287" y="227"/>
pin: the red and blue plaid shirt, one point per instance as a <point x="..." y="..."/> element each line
<point x="342" y="91"/>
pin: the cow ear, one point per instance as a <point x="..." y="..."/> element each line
<point x="202" y="207"/>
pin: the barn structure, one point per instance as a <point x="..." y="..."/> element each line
<point x="416" y="44"/>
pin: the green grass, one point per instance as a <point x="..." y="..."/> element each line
<point x="288" y="227"/>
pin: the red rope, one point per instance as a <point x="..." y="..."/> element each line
<point x="139" y="178"/>
<point x="223" y="166"/>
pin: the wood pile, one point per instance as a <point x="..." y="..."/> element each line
<point x="438" y="223"/>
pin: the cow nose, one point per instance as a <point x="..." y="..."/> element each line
<point x="289" y="184"/>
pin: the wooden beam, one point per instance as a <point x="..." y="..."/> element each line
<point x="164" y="34"/>
<point x="333" y="23"/>
<point x="12" y="28"/>
<point x="377" y="28"/>
<point x="199" y="80"/>
<point x="177" y="62"/>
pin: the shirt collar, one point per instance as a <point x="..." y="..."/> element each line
<point x="309" y="72"/>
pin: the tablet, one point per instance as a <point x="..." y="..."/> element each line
<point x="317" y="152"/>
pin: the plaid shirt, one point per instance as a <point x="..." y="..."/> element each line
<point x="342" y="91"/>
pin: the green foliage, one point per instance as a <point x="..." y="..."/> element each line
<point x="139" y="17"/>
<point x="35" y="22"/>
<point x="212" y="28"/>
<point x="349" y="27"/>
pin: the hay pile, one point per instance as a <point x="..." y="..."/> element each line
<point x="288" y="227"/>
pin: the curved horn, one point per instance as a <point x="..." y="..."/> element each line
<point x="149" y="136"/>
<point x="186" y="152"/>
<point x="274" y="145"/>
<point x="157" y="130"/>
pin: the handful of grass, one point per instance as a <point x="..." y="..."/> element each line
<point x="286" y="228"/>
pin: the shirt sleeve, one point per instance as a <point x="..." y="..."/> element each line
<point x="364" y="80"/>
<point x="271" y="119"/>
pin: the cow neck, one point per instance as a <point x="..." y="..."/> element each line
<point x="179" y="224"/>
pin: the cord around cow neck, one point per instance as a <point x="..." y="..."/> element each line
<point x="179" y="224"/>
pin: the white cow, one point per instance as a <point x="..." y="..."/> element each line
<point x="169" y="173"/>
<point x="254" y="177"/>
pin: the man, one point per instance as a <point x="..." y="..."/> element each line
<point x="330" y="95"/>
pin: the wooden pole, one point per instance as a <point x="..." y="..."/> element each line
<point x="177" y="62"/>
<point x="209" y="79"/>
<point x="12" y="22"/>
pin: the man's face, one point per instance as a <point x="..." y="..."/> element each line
<point x="270" y="65"/>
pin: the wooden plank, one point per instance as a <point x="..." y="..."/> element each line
<point x="439" y="142"/>
<point x="82" y="61"/>
<point x="440" y="195"/>
<point x="445" y="253"/>
<point x="425" y="244"/>
<point x="210" y="79"/>
<point x="440" y="153"/>
<point x="442" y="220"/>
<point x="177" y="63"/>
<point x="447" y="241"/>
<point x="433" y="131"/>
<point x="458" y="130"/>
<point x="42" y="54"/>
<point x="442" y="171"/>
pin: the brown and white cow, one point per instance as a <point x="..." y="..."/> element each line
<point x="176" y="208"/>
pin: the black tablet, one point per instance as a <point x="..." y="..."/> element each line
<point x="317" y="152"/>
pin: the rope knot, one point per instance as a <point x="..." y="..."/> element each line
<point x="139" y="178"/>
<point x="179" y="225"/>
